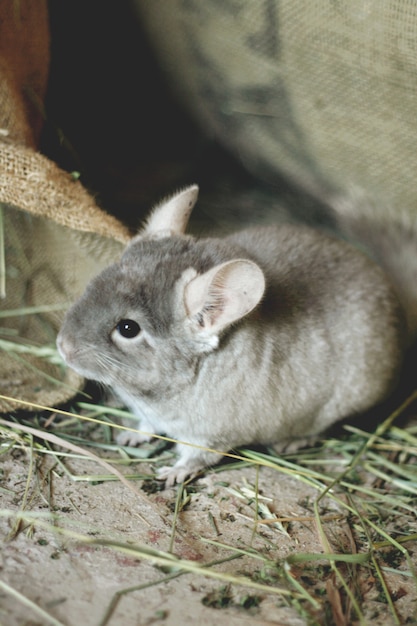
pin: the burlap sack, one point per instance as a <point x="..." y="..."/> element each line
<point x="322" y="91"/>
<point x="53" y="237"/>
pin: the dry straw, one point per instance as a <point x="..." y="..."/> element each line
<point x="360" y="479"/>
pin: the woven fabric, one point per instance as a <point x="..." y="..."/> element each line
<point x="30" y="181"/>
<point x="322" y="91"/>
<point x="24" y="64"/>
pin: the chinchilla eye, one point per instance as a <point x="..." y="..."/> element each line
<point x="129" y="329"/>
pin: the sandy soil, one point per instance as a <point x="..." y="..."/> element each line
<point x="76" y="582"/>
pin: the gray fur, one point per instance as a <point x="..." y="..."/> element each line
<point x="224" y="360"/>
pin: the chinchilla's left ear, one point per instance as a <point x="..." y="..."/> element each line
<point x="223" y="295"/>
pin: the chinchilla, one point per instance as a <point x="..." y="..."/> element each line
<point x="267" y="335"/>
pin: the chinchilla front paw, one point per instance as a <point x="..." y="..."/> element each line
<point x="132" y="438"/>
<point x="175" y="475"/>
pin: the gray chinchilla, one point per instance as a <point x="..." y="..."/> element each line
<point x="267" y="335"/>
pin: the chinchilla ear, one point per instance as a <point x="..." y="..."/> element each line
<point x="171" y="216"/>
<point x="224" y="294"/>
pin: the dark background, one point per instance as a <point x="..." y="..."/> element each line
<point x="111" y="117"/>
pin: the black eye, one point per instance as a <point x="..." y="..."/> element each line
<point x="128" y="328"/>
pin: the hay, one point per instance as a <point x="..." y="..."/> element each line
<point x="357" y="485"/>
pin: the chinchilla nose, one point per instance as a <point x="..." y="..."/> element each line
<point x="65" y="347"/>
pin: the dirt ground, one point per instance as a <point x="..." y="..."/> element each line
<point x="91" y="553"/>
